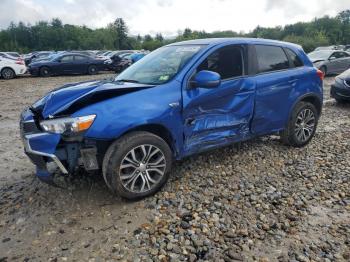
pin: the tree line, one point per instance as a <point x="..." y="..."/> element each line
<point x="55" y="35"/>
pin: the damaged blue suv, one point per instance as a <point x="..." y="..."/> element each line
<point x="181" y="99"/>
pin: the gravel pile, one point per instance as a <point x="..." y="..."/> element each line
<point x="254" y="201"/>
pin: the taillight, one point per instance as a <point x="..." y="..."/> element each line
<point x="19" y="62"/>
<point x="320" y="74"/>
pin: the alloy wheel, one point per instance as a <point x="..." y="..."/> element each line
<point x="7" y="74"/>
<point x="142" y="168"/>
<point x="305" y="125"/>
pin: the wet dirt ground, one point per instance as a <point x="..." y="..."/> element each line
<point x="260" y="201"/>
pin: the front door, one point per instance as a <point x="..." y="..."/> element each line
<point x="66" y="64"/>
<point x="221" y="115"/>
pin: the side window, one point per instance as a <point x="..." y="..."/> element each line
<point x="338" y="55"/>
<point x="296" y="61"/>
<point x="68" y="58"/>
<point x="80" y="58"/>
<point x="271" y="58"/>
<point x="343" y="54"/>
<point x="226" y="61"/>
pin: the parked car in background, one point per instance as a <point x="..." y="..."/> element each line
<point x="332" y="47"/>
<point x="120" y="62"/>
<point x="66" y="63"/>
<point x="10" y="68"/>
<point x="330" y="61"/>
<point x="32" y="57"/>
<point x="340" y="90"/>
<point x="136" y="57"/>
<point x="13" y="55"/>
<point x="179" y="100"/>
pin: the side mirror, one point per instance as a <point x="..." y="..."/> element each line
<point x="331" y="58"/>
<point x="206" y="79"/>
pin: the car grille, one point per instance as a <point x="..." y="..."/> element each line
<point x="28" y="127"/>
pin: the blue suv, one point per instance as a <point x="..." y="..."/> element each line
<point x="181" y="99"/>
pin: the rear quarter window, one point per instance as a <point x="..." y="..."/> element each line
<point x="271" y="58"/>
<point x="295" y="59"/>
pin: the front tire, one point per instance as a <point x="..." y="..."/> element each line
<point x="137" y="165"/>
<point x="324" y="70"/>
<point x="301" y="126"/>
<point x="45" y="71"/>
<point x="8" y="73"/>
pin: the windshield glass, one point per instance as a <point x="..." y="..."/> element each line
<point x="161" y="65"/>
<point x="320" y="55"/>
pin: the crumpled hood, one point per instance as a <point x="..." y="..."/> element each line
<point x="72" y="97"/>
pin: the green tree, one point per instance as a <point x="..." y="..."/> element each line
<point x="122" y="34"/>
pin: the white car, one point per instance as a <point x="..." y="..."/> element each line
<point x="10" y="68"/>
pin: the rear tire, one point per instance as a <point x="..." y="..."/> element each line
<point x="45" y="71"/>
<point x="8" y="73"/>
<point x="301" y="126"/>
<point x="137" y="165"/>
<point x="92" y="70"/>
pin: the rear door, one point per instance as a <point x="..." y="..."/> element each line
<point x="218" y="116"/>
<point x="80" y="64"/>
<point x="337" y="62"/>
<point x="344" y="61"/>
<point x="275" y="82"/>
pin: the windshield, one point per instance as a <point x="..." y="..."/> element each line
<point x="161" y="65"/>
<point x="320" y="55"/>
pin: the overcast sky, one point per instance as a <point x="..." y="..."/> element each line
<point x="169" y="16"/>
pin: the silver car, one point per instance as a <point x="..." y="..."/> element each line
<point x="330" y="61"/>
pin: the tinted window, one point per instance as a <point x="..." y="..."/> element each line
<point x="227" y="61"/>
<point x="80" y="58"/>
<point x="296" y="61"/>
<point x="68" y="58"/>
<point x="271" y="58"/>
<point x="341" y="54"/>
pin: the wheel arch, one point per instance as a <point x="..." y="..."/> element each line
<point x="158" y="130"/>
<point x="311" y="98"/>
<point x="8" y="67"/>
<point x="42" y="66"/>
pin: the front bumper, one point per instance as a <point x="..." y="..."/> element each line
<point x="340" y="92"/>
<point x="34" y="71"/>
<point x="42" y="138"/>
<point x="40" y="147"/>
<point x="54" y="155"/>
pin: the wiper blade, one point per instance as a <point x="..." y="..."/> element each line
<point x="128" y="80"/>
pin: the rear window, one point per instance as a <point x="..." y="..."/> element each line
<point x="296" y="61"/>
<point x="271" y="58"/>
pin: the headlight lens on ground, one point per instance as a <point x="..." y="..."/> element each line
<point x="68" y="124"/>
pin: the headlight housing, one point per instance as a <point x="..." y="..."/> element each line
<point x="67" y="125"/>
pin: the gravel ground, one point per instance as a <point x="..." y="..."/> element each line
<point x="254" y="201"/>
